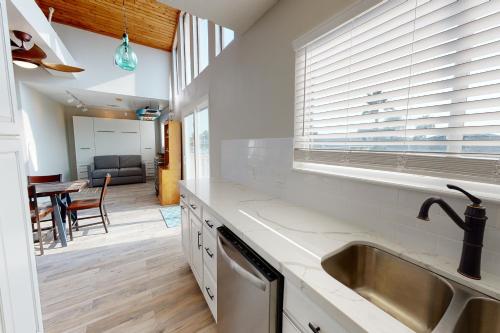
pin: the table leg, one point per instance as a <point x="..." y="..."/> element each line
<point x="61" y="230"/>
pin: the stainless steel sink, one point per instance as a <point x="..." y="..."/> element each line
<point x="479" y="315"/>
<point x="413" y="295"/>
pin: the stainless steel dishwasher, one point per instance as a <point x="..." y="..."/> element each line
<point x="249" y="290"/>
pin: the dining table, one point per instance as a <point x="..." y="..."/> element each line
<point x="55" y="190"/>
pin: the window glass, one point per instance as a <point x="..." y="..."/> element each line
<point x="202" y="44"/>
<point x="187" y="48"/>
<point x="227" y="37"/>
<point x="202" y="144"/>
<point x="195" y="47"/>
<point x="400" y="89"/>
<point x="189" y="147"/>
<point x="218" y="42"/>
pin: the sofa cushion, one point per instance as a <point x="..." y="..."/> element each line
<point x="106" y="162"/>
<point x="130" y="161"/>
<point x="125" y="172"/>
<point x="101" y="173"/>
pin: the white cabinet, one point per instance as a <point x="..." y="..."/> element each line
<point x="19" y="296"/>
<point x="102" y="136"/>
<point x="196" y="248"/>
<point x="148" y="145"/>
<point x="288" y="326"/>
<point x="200" y="246"/>
<point x="84" y="144"/>
<point x="117" y="137"/>
<point x="305" y="312"/>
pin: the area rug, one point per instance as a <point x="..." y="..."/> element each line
<point x="171" y="216"/>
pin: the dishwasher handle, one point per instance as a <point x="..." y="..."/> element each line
<point x="254" y="280"/>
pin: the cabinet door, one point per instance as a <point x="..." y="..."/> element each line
<point x="106" y="143"/>
<point x="19" y="298"/>
<point x="83" y="128"/>
<point x="196" y="248"/>
<point x="185" y="231"/>
<point x="10" y="117"/>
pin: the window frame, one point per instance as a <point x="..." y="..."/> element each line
<point x="421" y="180"/>
<point x="198" y="108"/>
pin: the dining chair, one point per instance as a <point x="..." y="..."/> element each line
<point x="37" y="214"/>
<point x="44" y="179"/>
<point x="90" y="204"/>
<point x="47" y="179"/>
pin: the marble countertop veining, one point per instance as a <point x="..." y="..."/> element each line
<point x="294" y="239"/>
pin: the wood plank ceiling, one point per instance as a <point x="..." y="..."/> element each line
<point x="149" y="22"/>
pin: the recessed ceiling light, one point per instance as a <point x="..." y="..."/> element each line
<point x="25" y="64"/>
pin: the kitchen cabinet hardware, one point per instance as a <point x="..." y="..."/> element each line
<point x="210" y="254"/>
<point x="314" y="328"/>
<point x="210" y="225"/>
<point x="209" y="293"/>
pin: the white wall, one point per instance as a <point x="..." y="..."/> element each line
<point x="45" y="133"/>
<point x="250" y="89"/>
<point x="95" y="54"/>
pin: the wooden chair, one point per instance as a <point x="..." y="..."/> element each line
<point x="47" y="179"/>
<point x="38" y="213"/>
<point x="90" y="204"/>
<point x="44" y="179"/>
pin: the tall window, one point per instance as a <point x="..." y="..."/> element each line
<point x="223" y="37"/>
<point x="202" y="44"/>
<point x="409" y="86"/>
<point x="196" y="57"/>
<point x="227" y="37"/>
<point x="202" y="143"/>
<point x="196" y="143"/>
<point x="187" y="48"/>
<point x="175" y="88"/>
<point x="189" y="147"/>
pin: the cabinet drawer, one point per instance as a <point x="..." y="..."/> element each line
<point x="195" y="206"/>
<point x="184" y="195"/>
<point x="210" y="222"/>
<point x="209" y="252"/>
<point x="288" y="326"/>
<point x="210" y="293"/>
<point x="304" y="312"/>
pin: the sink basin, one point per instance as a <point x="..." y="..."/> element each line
<point x="480" y="315"/>
<point x="416" y="297"/>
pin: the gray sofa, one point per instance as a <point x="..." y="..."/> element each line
<point x="124" y="169"/>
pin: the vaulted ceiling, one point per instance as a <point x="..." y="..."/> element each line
<point x="149" y="22"/>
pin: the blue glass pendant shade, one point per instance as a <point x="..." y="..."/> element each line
<point x="125" y="57"/>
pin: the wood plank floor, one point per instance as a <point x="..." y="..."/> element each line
<point x="133" y="279"/>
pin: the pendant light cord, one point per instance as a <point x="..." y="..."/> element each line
<point x="124" y="17"/>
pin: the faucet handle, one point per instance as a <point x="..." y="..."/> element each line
<point x="475" y="200"/>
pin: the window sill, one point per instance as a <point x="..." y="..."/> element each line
<point x="428" y="184"/>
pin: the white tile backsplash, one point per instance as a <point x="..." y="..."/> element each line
<point x="266" y="165"/>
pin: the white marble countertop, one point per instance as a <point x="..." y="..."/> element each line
<point x="294" y="239"/>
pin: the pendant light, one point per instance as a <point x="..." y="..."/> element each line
<point x="125" y="57"/>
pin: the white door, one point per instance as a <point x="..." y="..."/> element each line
<point x="19" y="296"/>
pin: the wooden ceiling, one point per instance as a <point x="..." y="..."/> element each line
<point x="149" y="22"/>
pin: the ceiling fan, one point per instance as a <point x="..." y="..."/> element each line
<point x="29" y="55"/>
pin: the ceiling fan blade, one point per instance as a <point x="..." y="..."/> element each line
<point x="62" y="68"/>
<point x="35" y="53"/>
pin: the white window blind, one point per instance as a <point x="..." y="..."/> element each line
<point x="411" y="86"/>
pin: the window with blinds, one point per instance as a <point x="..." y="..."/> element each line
<point x="409" y="86"/>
